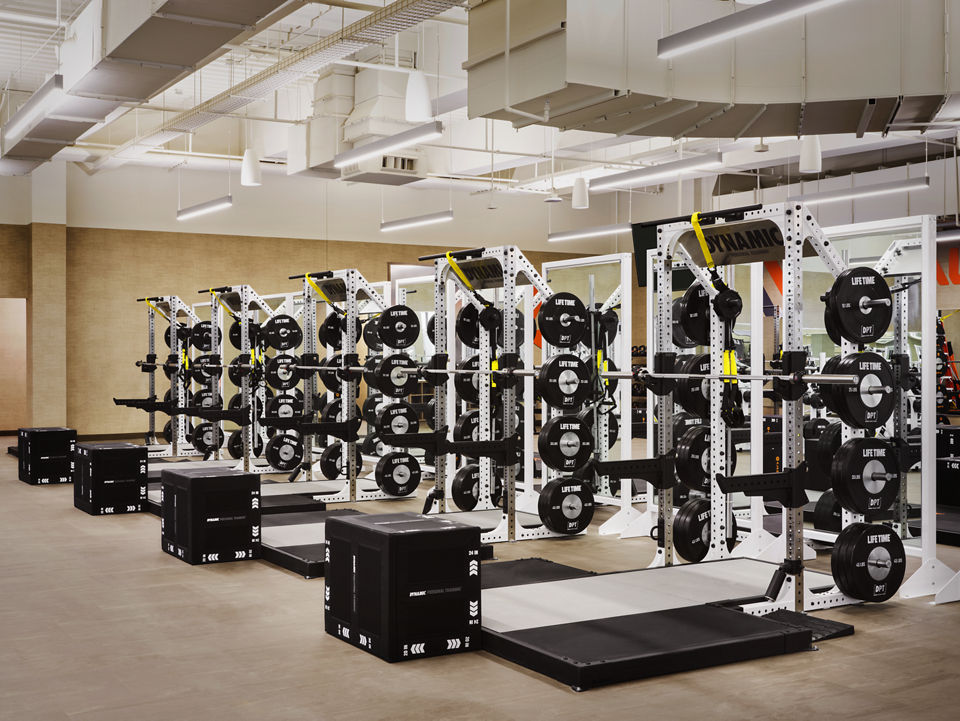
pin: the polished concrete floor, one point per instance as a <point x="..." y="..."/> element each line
<point x="96" y="623"/>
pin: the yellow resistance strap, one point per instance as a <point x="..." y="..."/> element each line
<point x="729" y="365"/>
<point x="323" y="296"/>
<point x="157" y="310"/>
<point x="456" y="269"/>
<point x="184" y="358"/>
<point x="950" y="314"/>
<point x="695" y="222"/>
<point x="224" y="305"/>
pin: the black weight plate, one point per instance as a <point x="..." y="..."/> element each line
<point x="830" y="323"/>
<point x="517" y="420"/>
<point x="398" y="327"/>
<point x="371" y="337"/>
<point x="468" y="327"/>
<point x="694" y="310"/>
<point x="565" y="443"/>
<point x="606" y="325"/>
<point x="284" y="451"/>
<point x="235" y="444"/>
<point x="680" y="339"/>
<point x="852" y="473"/>
<point x="200" y="336"/>
<point x="295" y="392"/>
<point x="828" y="391"/>
<point x="566" y="505"/>
<point x="562" y="320"/>
<point x="813" y="427"/>
<point x="370" y="370"/>
<point x="398" y="473"/>
<point x="824" y="449"/>
<point x="234" y="334"/>
<point x="207" y="437"/>
<point x="187" y="399"/>
<point x="855" y="405"/>
<point x="331" y="412"/>
<point x="206" y="399"/>
<point x="328" y="373"/>
<point x="182" y="331"/>
<point x="691" y="530"/>
<point x="868" y="562"/>
<point x="847" y="303"/>
<point x="397" y="417"/>
<point x="358" y="328"/>
<point x="283" y="406"/>
<point x="235" y="402"/>
<point x="205" y="368"/>
<point x="281" y="373"/>
<point x="564" y="381"/>
<point x="171" y="364"/>
<point x="827" y="513"/>
<point x="694" y="393"/>
<point x="168" y="432"/>
<point x="332" y="464"/>
<point x="330" y="333"/>
<point x="432" y="329"/>
<point x="391" y="381"/>
<point x="282" y="332"/>
<point x="236" y="371"/>
<point x="467" y="385"/>
<point x="467" y="426"/>
<point x="465" y="488"/>
<point x="430" y="413"/>
<point x="369" y="410"/>
<point x="518" y="333"/>
<point x="693" y="459"/>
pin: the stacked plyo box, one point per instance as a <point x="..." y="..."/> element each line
<point x="110" y="478"/>
<point x="210" y="515"/>
<point x="45" y="455"/>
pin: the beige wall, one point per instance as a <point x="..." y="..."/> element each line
<point x="108" y="269"/>
<point x="15" y="263"/>
<point x="13" y="364"/>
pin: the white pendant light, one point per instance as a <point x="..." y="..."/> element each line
<point x="417" y="108"/>
<point x="811" y="160"/>
<point x="250" y="169"/>
<point x="581" y="196"/>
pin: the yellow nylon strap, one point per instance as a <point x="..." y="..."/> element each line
<point x="185" y="358"/>
<point x="695" y="222"/>
<point x="494" y="365"/>
<point x="323" y="296"/>
<point x="950" y="314"/>
<point x="157" y="310"/>
<point x="456" y="269"/>
<point x="729" y="365"/>
<point x="220" y="301"/>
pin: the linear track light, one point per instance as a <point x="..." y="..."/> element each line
<point x="417" y="220"/>
<point x="210" y="206"/>
<point x="736" y="24"/>
<point x="422" y="133"/>
<point x="864" y="191"/>
<point x="594" y="232"/>
<point x="633" y="178"/>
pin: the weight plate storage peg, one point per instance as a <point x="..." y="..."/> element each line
<point x="694" y="311"/>
<point x="398" y="473"/>
<point x="564" y="381"/>
<point x="282" y="332"/>
<point x="566" y="505"/>
<point x="562" y="320"/>
<point x="691" y="530"/>
<point x="371" y="336"/>
<point x="868" y="562"/>
<point x="398" y="417"/>
<point x="281" y="372"/>
<point x="392" y="378"/>
<point x="235" y="330"/>
<point x="207" y="437"/>
<point x="866" y="475"/>
<point x="869" y="403"/>
<point x="398" y="327"/>
<point x="860" y="305"/>
<point x="565" y="443"/>
<point x="200" y="336"/>
<point x="465" y="487"/>
<point x="284" y="451"/>
<point x="331" y="461"/>
<point x="693" y="459"/>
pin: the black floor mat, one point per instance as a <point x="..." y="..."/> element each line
<point x="13" y="450"/>
<point x="527" y="570"/>
<point x="822" y="629"/>
<point x="948" y="526"/>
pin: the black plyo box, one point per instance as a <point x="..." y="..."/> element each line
<point x="403" y="585"/>
<point x="210" y="515"/>
<point x="948" y="481"/>
<point x="110" y="478"/>
<point x="948" y="441"/>
<point x="45" y="455"/>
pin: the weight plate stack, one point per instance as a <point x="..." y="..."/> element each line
<point x="370" y="371"/>
<point x="284" y="451"/>
<point x="859" y="306"/>
<point x="680" y="338"/>
<point x="868" y="562"/>
<point x="329" y="333"/>
<point x="466" y="427"/>
<point x="866" y="475"/>
<point x="565" y="443"/>
<point x="200" y="336"/>
<point x="206" y="368"/>
<point x="207" y="437"/>
<point x="465" y="488"/>
<point x="235" y="444"/>
<point x="822" y="451"/>
<point x="235" y="330"/>
<point x="694" y="393"/>
<point x="521" y="322"/>
<point x="369" y="410"/>
<point x="281" y="372"/>
<point x="391" y="381"/>
<point x="373" y="446"/>
<point x="564" y="381"/>
<point x="398" y="327"/>
<point x="691" y="530"/>
<point x="236" y="371"/>
<point x="183" y="332"/>
<point x="827" y="513"/>
<point x="328" y="373"/>
<point x="331" y="412"/>
<point x="397" y="417"/>
<point x="694" y="312"/>
<point x="331" y="461"/>
<point x="857" y="404"/>
<point x="284" y="406"/>
<point x="693" y="459"/>
<point x="566" y="505"/>
<point x="282" y="332"/>
<point x="398" y="473"/>
<point x="167" y="432"/>
<point x="562" y="320"/>
<point x="467" y="327"/>
<point x="207" y="399"/>
<point x="371" y="336"/>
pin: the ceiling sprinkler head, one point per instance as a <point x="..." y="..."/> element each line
<point x="761" y="147"/>
<point x="552" y="198"/>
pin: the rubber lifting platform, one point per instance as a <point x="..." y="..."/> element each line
<point x="597" y="629"/>
<point x="297" y="541"/>
<point x="948" y="526"/>
<point x="274" y="497"/>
